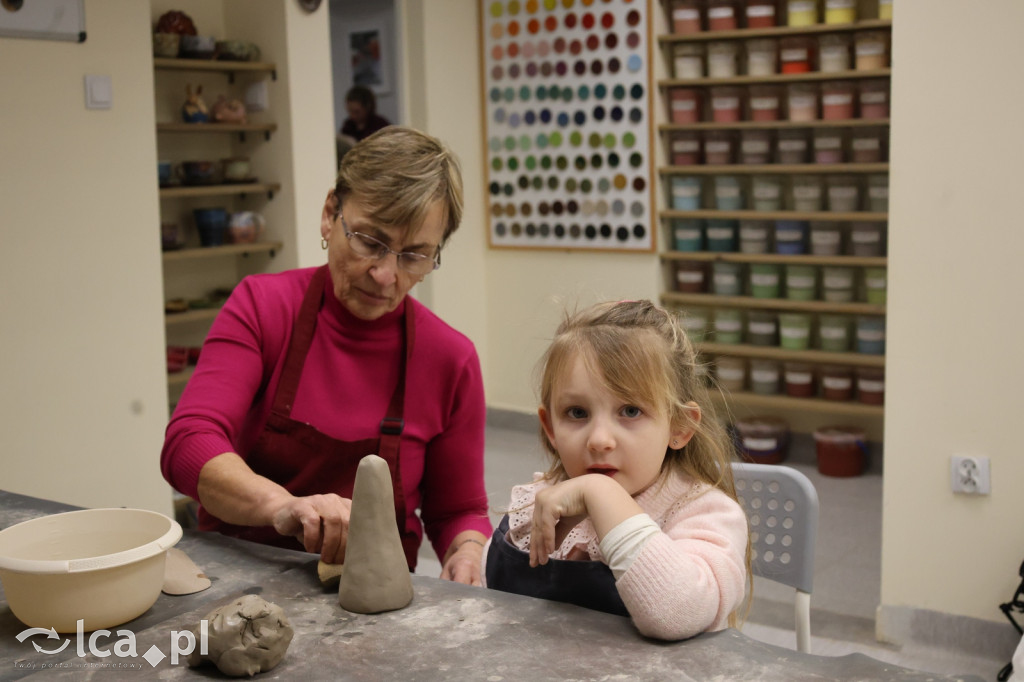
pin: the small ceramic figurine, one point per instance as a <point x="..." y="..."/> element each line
<point x="194" y="110"/>
<point x="228" y="110"/>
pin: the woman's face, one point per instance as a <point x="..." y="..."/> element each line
<point x="366" y="286"/>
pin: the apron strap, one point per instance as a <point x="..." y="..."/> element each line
<point x="302" y="337"/>
<point x="393" y="424"/>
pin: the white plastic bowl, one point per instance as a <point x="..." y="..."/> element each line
<point x="102" y="566"/>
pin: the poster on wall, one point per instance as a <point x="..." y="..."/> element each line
<point x="367" y="57"/>
<point x="43" y="19"/>
<point x="567" y="107"/>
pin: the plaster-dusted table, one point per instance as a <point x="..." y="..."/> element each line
<point x="449" y="631"/>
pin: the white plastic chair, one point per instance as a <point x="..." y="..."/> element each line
<point x="782" y="511"/>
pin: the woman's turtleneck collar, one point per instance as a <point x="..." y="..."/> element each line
<point x="339" y="316"/>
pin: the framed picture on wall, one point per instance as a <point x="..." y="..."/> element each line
<point x="368" y="59"/>
<point x="43" y="19"/>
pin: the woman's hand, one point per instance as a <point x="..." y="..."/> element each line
<point x="319" y="522"/>
<point x="463" y="558"/>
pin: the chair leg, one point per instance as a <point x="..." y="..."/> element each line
<point x="802" y="610"/>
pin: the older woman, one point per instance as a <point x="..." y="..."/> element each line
<point x="305" y="372"/>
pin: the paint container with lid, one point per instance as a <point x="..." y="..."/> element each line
<point x="798" y="378"/>
<point x="836" y="382"/>
<point x="871" y="385"/>
<point x="696" y="323"/>
<point x="723" y="59"/>
<point x="755" y="236"/>
<point x="726" y="104"/>
<point x="684" y="106"/>
<point x="826" y="238"/>
<point x="685" y="148"/>
<point x="688" y="60"/>
<point x="801" y="282"/>
<point x="763" y="440"/>
<point x="828" y="146"/>
<point x="870" y="334"/>
<point x="731" y="373"/>
<point x="686" y="16"/>
<point x="874" y="99"/>
<point x="796" y="54"/>
<point x="762" y="57"/>
<point x="722" y="15"/>
<point x="686" y="193"/>
<point x="794" y="331"/>
<point x="765" y="377"/>
<point x="728" y="193"/>
<point x="834" y="333"/>
<point x="765" y="103"/>
<point x="843" y="194"/>
<point x="791" y="237"/>
<point x="841" y="451"/>
<point x="838" y="283"/>
<point x="837" y="100"/>
<point x="762" y="328"/>
<point x="871" y="51"/>
<point x="755" y="147"/>
<point x="834" y="53"/>
<point x="728" y="325"/>
<point x="802" y="102"/>
<point x="807" y="193"/>
<point x="691" y="276"/>
<point x="875" y="286"/>
<point x="793" y="146"/>
<point x="801" y="12"/>
<point x="721" y="235"/>
<point x="760" y="13"/>
<point x="727" y="278"/>
<point x="688" y="235"/>
<point x="840" y="11"/>
<point x="878" y="193"/>
<point x="765" y="280"/>
<point x="885" y="10"/>
<point x="867" y="239"/>
<point x="867" y="145"/>
<point x="719" y="147"/>
<point x="766" y="193"/>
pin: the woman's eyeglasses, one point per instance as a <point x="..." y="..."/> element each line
<point x="368" y="247"/>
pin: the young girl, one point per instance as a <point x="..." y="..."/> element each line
<point x="637" y="514"/>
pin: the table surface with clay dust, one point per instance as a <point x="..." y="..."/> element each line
<point x="449" y="631"/>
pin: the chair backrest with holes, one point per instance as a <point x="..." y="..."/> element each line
<point x="782" y="511"/>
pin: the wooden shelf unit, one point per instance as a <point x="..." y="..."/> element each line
<point x="781" y="259"/>
<point x="226" y="189"/>
<point x="221" y="251"/>
<point x="809" y="77"/>
<point x="775" y="169"/>
<point x="856" y="216"/>
<point x="776" y="125"/>
<point x="815" y="405"/>
<point x="741" y="350"/>
<point x="217" y="66"/>
<point x="750" y="302"/>
<point x="190" y="316"/>
<point x="776" y="32"/>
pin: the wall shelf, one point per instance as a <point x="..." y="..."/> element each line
<point x="220" y="190"/>
<point x="215" y="66"/>
<point x="717" y="301"/>
<point x="190" y="316"/>
<point x="782" y="259"/>
<point x="222" y="251"/>
<point x="181" y="378"/>
<point x="856" y="216"/>
<point x="835" y="407"/>
<point x="809" y="77"/>
<point x="786" y="355"/>
<point x="775" y="125"/>
<point x="775" y="169"/>
<point x="218" y="128"/>
<point x="775" y="32"/>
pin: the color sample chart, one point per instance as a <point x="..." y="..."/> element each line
<point x="568" y="124"/>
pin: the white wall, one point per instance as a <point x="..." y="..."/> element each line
<point x="956" y="249"/>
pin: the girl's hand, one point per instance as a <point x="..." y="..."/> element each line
<point x="563" y="503"/>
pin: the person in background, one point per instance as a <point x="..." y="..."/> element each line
<point x="638" y="513"/>
<point x="363" y="119"/>
<point x="307" y="371"/>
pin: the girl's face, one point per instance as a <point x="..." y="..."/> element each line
<point x="595" y="432"/>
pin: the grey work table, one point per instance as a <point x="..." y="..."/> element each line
<point x="449" y="631"/>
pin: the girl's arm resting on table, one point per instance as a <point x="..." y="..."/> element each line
<point x="235" y="494"/>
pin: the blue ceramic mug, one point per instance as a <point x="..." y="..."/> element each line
<point x="164" y="172"/>
<point x="212" y="224"/>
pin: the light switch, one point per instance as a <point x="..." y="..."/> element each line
<point x="99" y="93"/>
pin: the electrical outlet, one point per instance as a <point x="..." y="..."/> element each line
<point x="970" y="474"/>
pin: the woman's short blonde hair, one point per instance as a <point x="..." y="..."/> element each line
<point x="397" y="174"/>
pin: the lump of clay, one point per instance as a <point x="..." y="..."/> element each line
<point x="247" y="636"/>
<point x="376" y="576"/>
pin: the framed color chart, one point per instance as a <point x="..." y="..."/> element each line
<point x="568" y="124"/>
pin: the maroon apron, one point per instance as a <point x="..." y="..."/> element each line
<point x="307" y="462"/>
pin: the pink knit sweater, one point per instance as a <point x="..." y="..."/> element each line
<point x="347" y="381"/>
<point x="688" y="578"/>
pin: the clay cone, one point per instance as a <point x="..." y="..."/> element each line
<point x="376" y="576"/>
